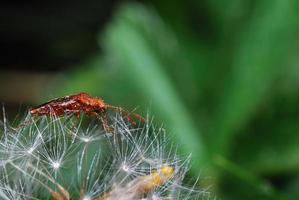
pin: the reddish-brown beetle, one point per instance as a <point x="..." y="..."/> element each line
<point x="79" y="103"/>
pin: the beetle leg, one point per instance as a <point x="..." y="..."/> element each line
<point x="92" y="114"/>
<point x="27" y="122"/>
<point x="129" y="115"/>
<point x="105" y="123"/>
<point x="77" y="114"/>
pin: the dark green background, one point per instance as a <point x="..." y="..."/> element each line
<point x="222" y="76"/>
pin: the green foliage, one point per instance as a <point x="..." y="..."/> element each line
<point x="225" y="86"/>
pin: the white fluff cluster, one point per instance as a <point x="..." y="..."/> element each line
<point x="66" y="158"/>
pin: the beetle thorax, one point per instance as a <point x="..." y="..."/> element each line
<point x="91" y="102"/>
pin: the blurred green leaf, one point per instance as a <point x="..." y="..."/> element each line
<point x="273" y="150"/>
<point x="259" y="185"/>
<point x="262" y="49"/>
<point x="291" y="190"/>
<point x="125" y="41"/>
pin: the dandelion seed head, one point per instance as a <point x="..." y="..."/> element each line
<point x="156" y="197"/>
<point x="86" y="198"/>
<point x="3" y="163"/>
<point x="56" y="165"/>
<point x="30" y="150"/>
<point x="85" y="139"/>
<point x="126" y="168"/>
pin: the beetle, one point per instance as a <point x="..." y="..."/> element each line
<point x="80" y="103"/>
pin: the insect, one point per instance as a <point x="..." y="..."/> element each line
<point x="80" y="103"/>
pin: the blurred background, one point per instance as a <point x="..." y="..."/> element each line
<point x="221" y="76"/>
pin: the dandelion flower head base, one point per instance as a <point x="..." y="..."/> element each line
<point x="137" y="188"/>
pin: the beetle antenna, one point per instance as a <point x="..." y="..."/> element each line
<point x="128" y="113"/>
